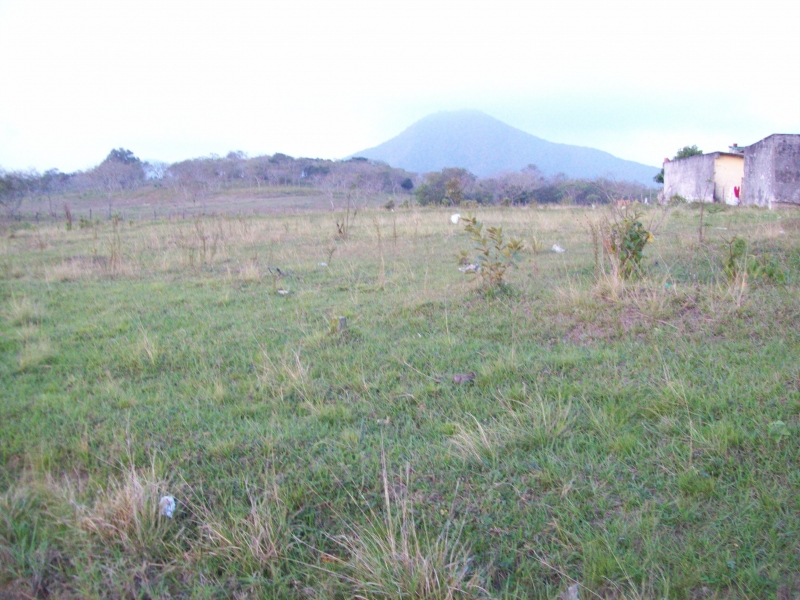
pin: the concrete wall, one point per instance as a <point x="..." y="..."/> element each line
<point x="757" y="188"/>
<point x="787" y="169"/>
<point x="692" y="178"/>
<point x="728" y="173"/>
<point x="772" y="171"/>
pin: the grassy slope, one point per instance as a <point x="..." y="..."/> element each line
<point x="627" y="443"/>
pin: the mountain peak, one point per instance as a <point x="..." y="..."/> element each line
<point x="484" y="145"/>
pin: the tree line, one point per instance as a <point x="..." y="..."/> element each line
<point x="454" y="187"/>
<point x="199" y="178"/>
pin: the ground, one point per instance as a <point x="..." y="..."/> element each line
<point x="638" y="438"/>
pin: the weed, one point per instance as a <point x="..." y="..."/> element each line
<point x="84" y="223"/>
<point x="68" y="215"/>
<point x="382" y="268"/>
<point x="738" y="263"/>
<point x="114" y="243"/>
<point x="329" y="254"/>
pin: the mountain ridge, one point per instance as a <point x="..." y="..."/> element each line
<point x="485" y="146"/>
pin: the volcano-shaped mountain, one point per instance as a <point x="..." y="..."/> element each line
<point x="485" y="146"/>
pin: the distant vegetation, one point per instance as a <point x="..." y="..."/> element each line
<point x="197" y="179"/>
<point x="529" y="186"/>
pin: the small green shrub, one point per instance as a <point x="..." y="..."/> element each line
<point x="736" y="255"/>
<point x="625" y="243"/>
<point x="739" y="262"/>
<point x="494" y="256"/>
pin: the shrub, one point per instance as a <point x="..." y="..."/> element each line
<point x="739" y="263"/>
<point x="622" y="243"/>
<point x="626" y="243"/>
<point x="495" y="255"/>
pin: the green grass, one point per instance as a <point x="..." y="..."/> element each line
<point x="622" y="435"/>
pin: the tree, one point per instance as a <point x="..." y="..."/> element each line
<point x="684" y="152"/>
<point x="14" y="187"/>
<point x="195" y="178"/>
<point x="121" y="170"/>
<point x="518" y="187"/>
<point x="121" y="155"/>
<point x="688" y="151"/>
<point x="450" y="186"/>
<point x="155" y="169"/>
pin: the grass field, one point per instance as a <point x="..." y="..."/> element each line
<point x="635" y="439"/>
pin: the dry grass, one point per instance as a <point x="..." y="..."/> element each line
<point x="258" y="541"/>
<point x="126" y="512"/>
<point x="148" y="346"/>
<point x="249" y="272"/>
<point x="23" y="311"/>
<point x="480" y="442"/>
<point x="527" y="424"/>
<point x="391" y="557"/>
<point x="35" y="353"/>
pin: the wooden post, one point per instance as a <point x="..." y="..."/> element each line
<point x="342" y="324"/>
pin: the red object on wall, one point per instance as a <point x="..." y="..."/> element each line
<point x="736" y="191"/>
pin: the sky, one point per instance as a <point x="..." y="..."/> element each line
<point x="172" y="80"/>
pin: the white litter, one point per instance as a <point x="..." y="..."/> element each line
<point x="283" y="292"/>
<point x="166" y="506"/>
<point x="572" y="592"/>
<point x="558" y="249"/>
<point x="454" y="219"/>
<point x="322" y="264"/>
<point x="469" y="268"/>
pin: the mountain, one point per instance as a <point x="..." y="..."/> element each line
<point x="486" y="146"/>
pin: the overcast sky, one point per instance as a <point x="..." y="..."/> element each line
<point x="171" y="80"/>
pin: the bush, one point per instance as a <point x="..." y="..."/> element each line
<point x="626" y="244"/>
<point x="495" y="255"/>
<point x="622" y="242"/>
<point x="739" y="263"/>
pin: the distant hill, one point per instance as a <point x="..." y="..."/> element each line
<point x="486" y="146"/>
